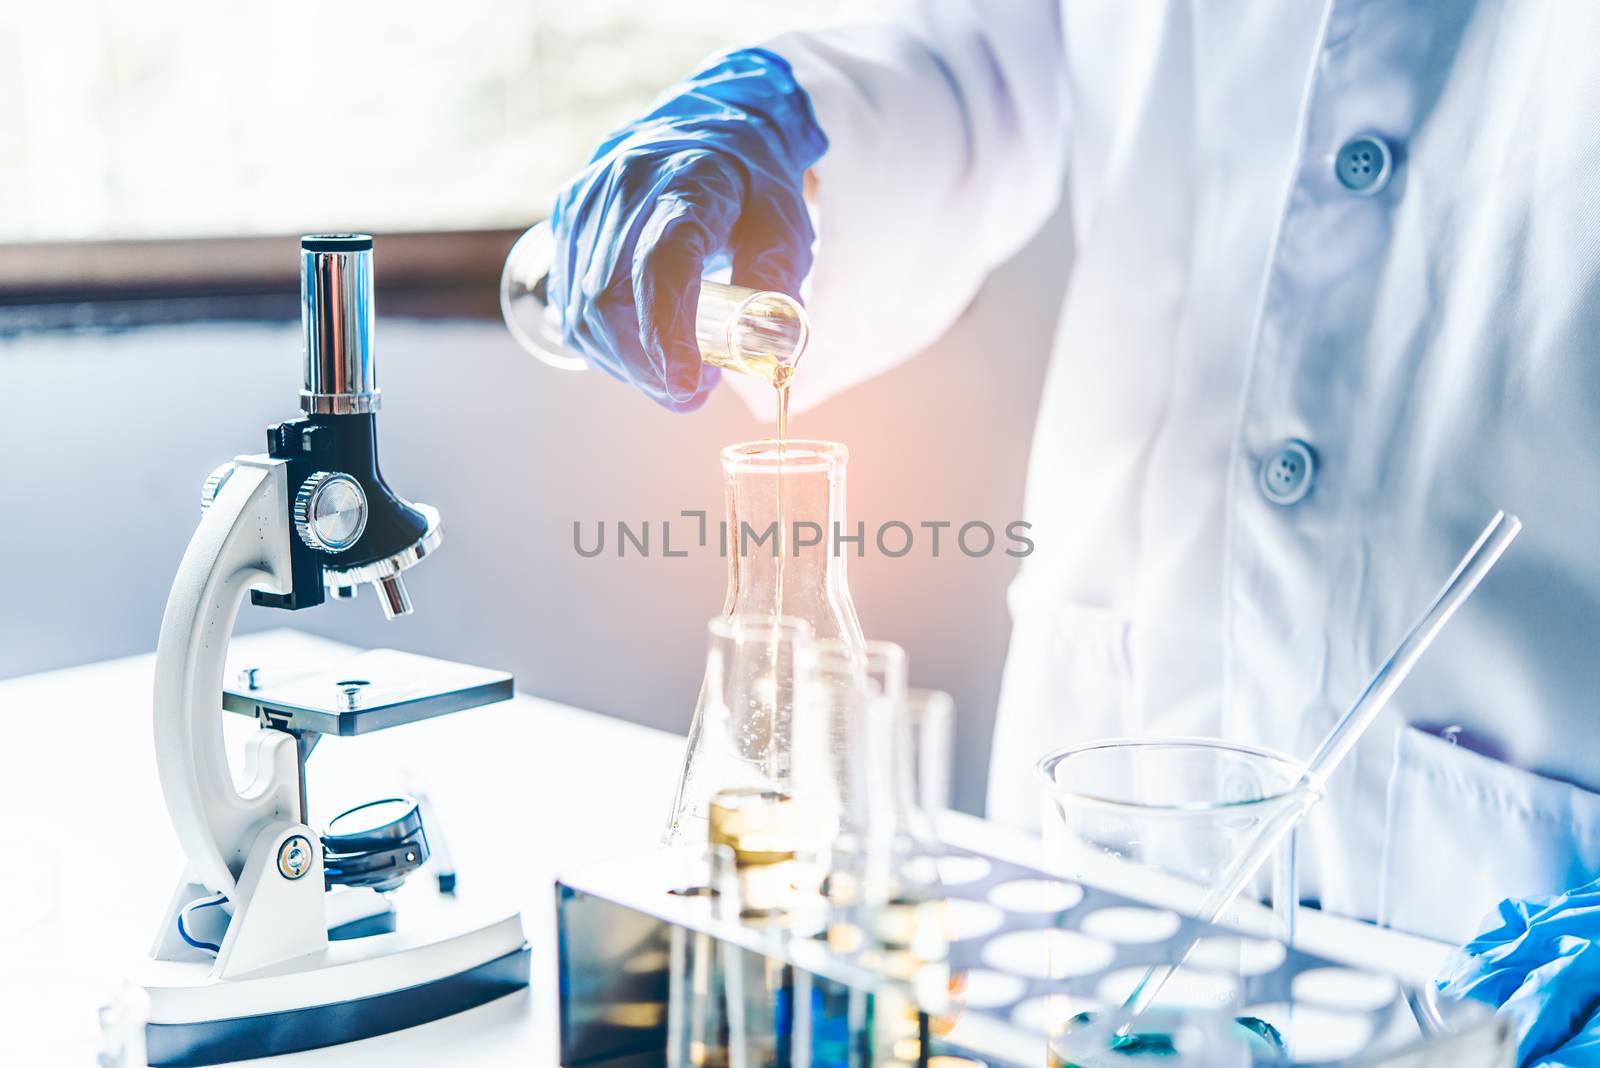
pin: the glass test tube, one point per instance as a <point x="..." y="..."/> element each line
<point x="750" y="331"/>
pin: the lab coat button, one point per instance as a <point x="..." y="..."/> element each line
<point x="1364" y="164"/>
<point x="1286" y="475"/>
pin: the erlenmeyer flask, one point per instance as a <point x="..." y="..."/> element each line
<point x="739" y="739"/>
<point x="784" y="513"/>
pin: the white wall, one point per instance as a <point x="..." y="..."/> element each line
<point x="107" y="438"/>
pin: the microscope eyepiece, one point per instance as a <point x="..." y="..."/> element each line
<point x="353" y="529"/>
<point x="336" y="308"/>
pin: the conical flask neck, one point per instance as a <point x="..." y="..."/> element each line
<point x="785" y="514"/>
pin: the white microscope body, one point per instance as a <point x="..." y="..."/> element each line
<point x="273" y="525"/>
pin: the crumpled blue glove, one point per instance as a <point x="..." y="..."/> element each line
<point x="1538" y="961"/>
<point x="712" y="177"/>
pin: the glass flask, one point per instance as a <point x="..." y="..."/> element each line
<point x="783" y="505"/>
<point x="755" y="332"/>
<point x="739" y="738"/>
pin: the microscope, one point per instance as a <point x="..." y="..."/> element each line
<point x="278" y="937"/>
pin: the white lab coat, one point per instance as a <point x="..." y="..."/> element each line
<point x="1436" y="344"/>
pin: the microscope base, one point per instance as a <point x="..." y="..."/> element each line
<point x="354" y="989"/>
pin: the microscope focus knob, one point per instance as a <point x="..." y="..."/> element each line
<point x="330" y="512"/>
<point x="213" y="485"/>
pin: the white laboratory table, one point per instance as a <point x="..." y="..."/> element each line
<point x="523" y="790"/>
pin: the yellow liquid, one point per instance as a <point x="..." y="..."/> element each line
<point x="758" y="825"/>
<point x="777" y="373"/>
<point x="763" y="828"/>
<point x="780" y="382"/>
<point x="762" y="365"/>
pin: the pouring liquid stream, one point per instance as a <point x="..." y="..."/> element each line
<point x="780" y="383"/>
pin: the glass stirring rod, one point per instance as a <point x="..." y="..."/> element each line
<point x="1476" y="564"/>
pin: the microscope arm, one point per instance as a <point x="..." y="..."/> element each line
<point x="242" y="544"/>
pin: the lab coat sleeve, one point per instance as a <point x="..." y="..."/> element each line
<point x="947" y="149"/>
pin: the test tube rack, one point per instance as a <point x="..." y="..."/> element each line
<point x="617" y="926"/>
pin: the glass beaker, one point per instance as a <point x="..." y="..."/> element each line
<point x="1161" y="820"/>
<point x="783" y="512"/>
<point x="1166" y="816"/>
<point x="755" y="332"/>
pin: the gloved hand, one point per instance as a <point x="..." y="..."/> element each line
<point x="1538" y="961"/>
<point x="714" y="174"/>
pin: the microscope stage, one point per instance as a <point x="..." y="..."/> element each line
<point x="369" y="692"/>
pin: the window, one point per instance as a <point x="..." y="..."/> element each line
<point x="224" y="118"/>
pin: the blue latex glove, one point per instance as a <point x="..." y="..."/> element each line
<point x="713" y="175"/>
<point x="1538" y="961"/>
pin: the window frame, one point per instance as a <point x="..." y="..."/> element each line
<point x="111" y="284"/>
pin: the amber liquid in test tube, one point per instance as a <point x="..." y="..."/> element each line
<point x="749" y="331"/>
